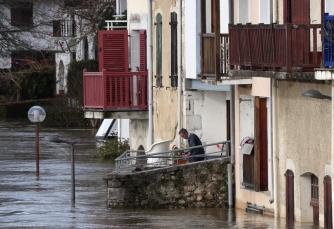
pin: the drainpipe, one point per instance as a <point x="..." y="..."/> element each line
<point x="232" y="125"/>
<point x="271" y="200"/>
<point x="274" y="10"/>
<point x="272" y="197"/>
<point x="275" y="153"/>
<point x="179" y="71"/>
<point x="149" y="67"/>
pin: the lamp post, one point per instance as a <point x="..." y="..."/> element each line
<point x="36" y="114"/>
<point x="54" y="138"/>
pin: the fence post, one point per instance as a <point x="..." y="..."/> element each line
<point x="104" y="90"/>
<point x="288" y="53"/>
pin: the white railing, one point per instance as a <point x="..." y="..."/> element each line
<point x="111" y="26"/>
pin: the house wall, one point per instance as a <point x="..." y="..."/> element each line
<point x="304" y="136"/>
<point x="137" y="14"/>
<point x="42" y="39"/>
<point x="165" y="105"/>
<point x="204" y="113"/>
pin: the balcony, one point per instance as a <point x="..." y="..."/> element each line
<point x="115" y="91"/>
<point x="280" y="48"/>
<point x="209" y="56"/>
<point x="63" y="28"/>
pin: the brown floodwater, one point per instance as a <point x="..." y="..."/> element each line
<point x="44" y="201"/>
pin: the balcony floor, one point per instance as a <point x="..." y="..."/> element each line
<point x="124" y="114"/>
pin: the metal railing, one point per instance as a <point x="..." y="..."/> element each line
<point x="130" y="158"/>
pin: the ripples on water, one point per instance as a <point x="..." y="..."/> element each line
<point x="45" y="201"/>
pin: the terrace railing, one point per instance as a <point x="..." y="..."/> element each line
<point x="115" y="90"/>
<point x="208" y="55"/>
<point x="328" y="45"/>
<point x="275" y="46"/>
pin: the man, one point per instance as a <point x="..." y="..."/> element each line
<point x="196" y="154"/>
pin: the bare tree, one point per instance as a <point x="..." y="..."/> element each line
<point x="32" y="25"/>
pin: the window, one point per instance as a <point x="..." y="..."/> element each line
<point x="158" y="76"/>
<point x="22" y="15"/>
<point x="173" y="61"/>
<point x="86" y="52"/>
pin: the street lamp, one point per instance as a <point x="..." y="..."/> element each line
<point x="316" y="94"/>
<point x="54" y="138"/>
<point x="36" y="114"/>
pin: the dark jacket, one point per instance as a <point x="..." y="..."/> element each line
<point x="193" y="140"/>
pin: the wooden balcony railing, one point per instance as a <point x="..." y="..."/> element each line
<point x="208" y="55"/>
<point x="275" y="46"/>
<point x="115" y="90"/>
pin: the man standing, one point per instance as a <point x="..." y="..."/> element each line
<point x="196" y="154"/>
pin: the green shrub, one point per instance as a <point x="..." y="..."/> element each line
<point x="114" y="148"/>
<point x="38" y="85"/>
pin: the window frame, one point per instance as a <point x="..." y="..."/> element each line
<point x="22" y="16"/>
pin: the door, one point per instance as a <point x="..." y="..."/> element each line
<point x="328" y="202"/>
<point x="315" y="199"/>
<point x="261" y="144"/>
<point x="289" y="196"/>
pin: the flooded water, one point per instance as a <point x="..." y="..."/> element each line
<point x="44" y="201"/>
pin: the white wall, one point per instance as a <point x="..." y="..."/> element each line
<point x="244" y="16"/>
<point x="329" y="7"/>
<point x="264" y="9"/>
<point x="192" y="38"/>
<point x="224" y="16"/>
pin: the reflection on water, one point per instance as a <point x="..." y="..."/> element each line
<point x="45" y="201"/>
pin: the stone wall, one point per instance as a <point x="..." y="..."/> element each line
<point x="199" y="184"/>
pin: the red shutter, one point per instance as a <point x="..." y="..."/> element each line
<point x="143" y="53"/>
<point x="113" y="50"/>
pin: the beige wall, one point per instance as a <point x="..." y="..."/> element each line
<point x="165" y="106"/>
<point x="304" y="142"/>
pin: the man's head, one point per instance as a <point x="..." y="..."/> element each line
<point x="183" y="133"/>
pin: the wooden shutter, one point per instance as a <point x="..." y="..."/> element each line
<point x="173" y="61"/>
<point x="158" y="50"/>
<point x="328" y="202"/>
<point x="143" y="52"/>
<point x="297" y="11"/>
<point x="113" y="50"/>
<point x="261" y="145"/>
<point x="289" y="196"/>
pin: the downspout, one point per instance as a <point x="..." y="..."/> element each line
<point x="274" y="10"/>
<point x="149" y="67"/>
<point x="232" y="125"/>
<point x="273" y="191"/>
<point x="271" y="200"/>
<point x="275" y="146"/>
<point x="179" y="71"/>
